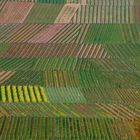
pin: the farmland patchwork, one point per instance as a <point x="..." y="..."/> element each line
<point x="70" y="69"/>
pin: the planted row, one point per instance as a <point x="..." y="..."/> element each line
<point x="64" y="128"/>
<point x="22" y="94"/>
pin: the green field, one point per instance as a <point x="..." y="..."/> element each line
<point x="41" y="13"/>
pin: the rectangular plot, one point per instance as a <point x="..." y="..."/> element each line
<point x="91" y="11"/>
<point x="127" y="16"/>
<point x="67" y="12"/>
<point x="79" y="15"/>
<point x="87" y="15"/>
<point x="102" y="14"/>
<point x="46" y="34"/>
<point x="62" y="95"/>
<point x="131" y="9"/>
<point x="52" y="1"/>
<point x="95" y="14"/>
<point x="99" y="15"/>
<point x="107" y="14"/>
<point x="122" y="14"/>
<point x="115" y="14"/>
<point x="15" y="12"/>
<point x="43" y="13"/>
<point x="83" y="14"/>
<point x="110" y="13"/>
<point x="119" y="14"/>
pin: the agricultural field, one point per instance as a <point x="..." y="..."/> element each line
<point x="69" y="70"/>
<point x="41" y="13"/>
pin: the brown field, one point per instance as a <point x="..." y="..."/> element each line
<point x="46" y="34"/>
<point x="15" y="12"/>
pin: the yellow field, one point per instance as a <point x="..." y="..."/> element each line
<point x="23" y="94"/>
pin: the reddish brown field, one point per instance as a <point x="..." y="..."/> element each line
<point x="15" y="12"/>
<point x="46" y="34"/>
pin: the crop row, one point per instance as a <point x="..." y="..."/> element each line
<point x="22" y="94"/>
<point x="23" y="77"/>
<point x="52" y="78"/>
<point x="105" y="14"/>
<point x="2" y="4"/>
<point x="19" y="12"/>
<point x="68" y="13"/>
<point x="65" y="33"/>
<point x="69" y="86"/>
<point x="5" y="75"/>
<point x="16" y="64"/>
<point x="116" y="64"/>
<point x="6" y="30"/>
<point x="73" y="79"/>
<point x="97" y="94"/>
<point x="86" y="2"/>
<point x="47" y="33"/>
<point x="119" y="111"/>
<point x="24" y="33"/>
<point x="65" y="95"/>
<point x="56" y="50"/>
<point x="108" y="2"/>
<point x="52" y="1"/>
<point x="45" y="64"/>
<point x="15" y="12"/>
<point x="64" y="128"/>
<point x="70" y="33"/>
<point x="116" y="111"/>
<point x="112" y="34"/>
<point x="43" y="109"/>
<point x="103" y="2"/>
<point x="123" y="51"/>
<point x="43" y="13"/>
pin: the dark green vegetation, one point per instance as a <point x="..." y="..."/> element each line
<point x="113" y="34"/>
